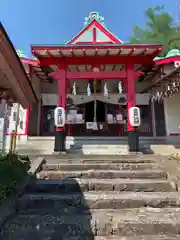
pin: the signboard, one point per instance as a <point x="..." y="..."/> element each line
<point x="91" y="125"/>
<point x="134" y="116"/>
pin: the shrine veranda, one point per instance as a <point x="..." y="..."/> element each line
<point x="97" y="78"/>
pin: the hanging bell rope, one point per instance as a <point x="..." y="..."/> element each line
<point x="120" y="87"/>
<point x="152" y="97"/>
<point x="88" y="90"/>
<point x="74" y="88"/>
<point x="160" y="96"/>
<point x="105" y="89"/>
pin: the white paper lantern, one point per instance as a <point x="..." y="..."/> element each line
<point x="59" y="117"/>
<point x="134" y="116"/>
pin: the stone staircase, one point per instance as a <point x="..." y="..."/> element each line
<point x="97" y="197"/>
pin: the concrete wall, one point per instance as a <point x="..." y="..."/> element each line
<point x="33" y="120"/>
<point x="47" y="87"/>
<point x="172" y="114"/>
<point x="36" y="83"/>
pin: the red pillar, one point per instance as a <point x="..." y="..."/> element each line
<point x="69" y="126"/>
<point x="62" y="86"/>
<point x="131" y="91"/>
<point x="131" y="101"/>
<point x="60" y="134"/>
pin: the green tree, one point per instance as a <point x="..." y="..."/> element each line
<point x="159" y="29"/>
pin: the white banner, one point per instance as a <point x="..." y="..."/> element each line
<point x="21" y="128"/>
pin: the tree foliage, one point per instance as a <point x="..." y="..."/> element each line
<point x="159" y="29"/>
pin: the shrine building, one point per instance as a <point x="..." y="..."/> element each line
<point x="97" y="78"/>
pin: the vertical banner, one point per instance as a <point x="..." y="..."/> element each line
<point x="21" y="121"/>
<point x="1" y="129"/>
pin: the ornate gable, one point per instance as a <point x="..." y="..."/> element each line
<point x="94" y="32"/>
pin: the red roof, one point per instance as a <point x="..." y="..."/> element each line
<point x="94" y="33"/>
<point x="94" y="44"/>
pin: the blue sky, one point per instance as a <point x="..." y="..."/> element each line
<point x="56" y="21"/>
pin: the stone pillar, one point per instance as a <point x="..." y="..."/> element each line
<point x="60" y="133"/>
<point x="131" y="101"/>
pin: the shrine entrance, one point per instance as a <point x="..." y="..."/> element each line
<point x="95" y="111"/>
<point x="89" y="111"/>
<point x="95" y="119"/>
<point x="97" y="62"/>
<point x="100" y="111"/>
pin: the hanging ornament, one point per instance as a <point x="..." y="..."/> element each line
<point x="88" y="90"/>
<point x="120" y="87"/>
<point x="74" y="88"/>
<point x="105" y="89"/>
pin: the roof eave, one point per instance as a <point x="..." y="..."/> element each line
<point x="167" y="60"/>
<point x="18" y="60"/>
<point x="123" y="45"/>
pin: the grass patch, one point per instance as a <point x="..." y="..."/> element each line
<point x="13" y="171"/>
<point x="175" y="156"/>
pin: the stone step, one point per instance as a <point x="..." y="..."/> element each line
<point x="145" y="237"/>
<point x="58" y="159"/>
<point x="101" y="145"/>
<point x="125" y="222"/>
<point x="109" y="174"/>
<point x="97" y="200"/>
<point x="80" y="185"/>
<point x="102" y="166"/>
<point x="108" y="152"/>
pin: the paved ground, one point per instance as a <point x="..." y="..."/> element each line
<point x="171" y="166"/>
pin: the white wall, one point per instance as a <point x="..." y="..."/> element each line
<point x="51" y="99"/>
<point x="81" y="86"/>
<point x="172" y="114"/>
